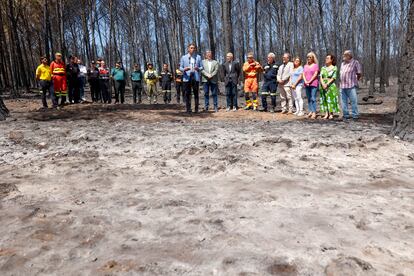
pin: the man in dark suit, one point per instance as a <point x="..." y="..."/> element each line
<point x="231" y="73"/>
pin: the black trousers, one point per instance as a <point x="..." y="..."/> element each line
<point x="137" y="91"/>
<point x="95" y="90"/>
<point x="119" y="90"/>
<point x="104" y="85"/>
<point x="180" y="91"/>
<point x="74" y="91"/>
<point x="191" y="86"/>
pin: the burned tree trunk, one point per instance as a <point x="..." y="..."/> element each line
<point x="373" y="46"/>
<point x="4" y="112"/>
<point x="212" y="43"/>
<point x="404" y="117"/>
<point x="228" y="26"/>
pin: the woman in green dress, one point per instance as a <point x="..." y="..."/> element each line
<point x="328" y="89"/>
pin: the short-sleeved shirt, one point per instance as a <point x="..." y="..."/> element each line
<point x="309" y="71"/>
<point x="348" y="75"/>
<point x="118" y="74"/>
<point x="295" y="74"/>
<point x="136" y="76"/>
<point x="43" y="72"/>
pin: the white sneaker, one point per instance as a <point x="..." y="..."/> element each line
<point x="234" y="109"/>
<point x="300" y="114"/>
<point x="227" y="109"/>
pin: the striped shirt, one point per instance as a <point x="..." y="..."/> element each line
<point x="349" y="71"/>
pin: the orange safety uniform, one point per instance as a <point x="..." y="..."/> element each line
<point x="58" y="71"/>
<point x="251" y="85"/>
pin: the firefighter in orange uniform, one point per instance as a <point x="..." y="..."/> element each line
<point x="57" y="68"/>
<point x="251" y="69"/>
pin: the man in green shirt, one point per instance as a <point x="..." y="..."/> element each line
<point x="136" y="81"/>
<point x="119" y="76"/>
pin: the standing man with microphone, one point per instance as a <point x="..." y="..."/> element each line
<point x="191" y="65"/>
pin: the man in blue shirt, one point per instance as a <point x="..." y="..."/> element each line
<point x="191" y="65"/>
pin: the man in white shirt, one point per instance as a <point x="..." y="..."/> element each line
<point x="82" y="79"/>
<point x="284" y="86"/>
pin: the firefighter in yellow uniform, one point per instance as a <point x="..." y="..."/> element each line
<point x="251" y="69"/>
<point x="151" y="78"/>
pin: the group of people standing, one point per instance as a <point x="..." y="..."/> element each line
<point x="289" y="79"/>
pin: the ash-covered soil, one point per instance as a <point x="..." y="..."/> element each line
<point x="147" y="190"/>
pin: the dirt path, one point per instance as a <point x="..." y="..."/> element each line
<point x="126" y="190"/>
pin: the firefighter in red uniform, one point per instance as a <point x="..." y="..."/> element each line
<point x="57" y="68"/>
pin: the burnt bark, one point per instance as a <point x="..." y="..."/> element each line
<point x="404" y="117"/>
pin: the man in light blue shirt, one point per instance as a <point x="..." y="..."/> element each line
<point x="191" y="66"/>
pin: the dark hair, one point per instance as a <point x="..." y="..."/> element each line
<point x="333" y="57"/>
<point x="192" y="44"/>
<point x="42" y="58"/>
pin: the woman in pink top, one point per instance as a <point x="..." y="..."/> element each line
<point x="310" y="77"/>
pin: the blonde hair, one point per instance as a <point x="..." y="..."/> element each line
<point x="313" y="55"/>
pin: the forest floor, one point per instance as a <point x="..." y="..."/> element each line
<point x="148" y="190"/>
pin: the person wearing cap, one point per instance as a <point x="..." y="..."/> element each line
<point x="104" y="83"/>
<point x="44" y="76"/>
<point x="136" y="80"/>
<point x="151" y="77"/>
<point x="72" y="73"/>
<point x="58" y="70"/>
<point x="118" y="75"/>
<point x="251" y="69"/>
<point x="179" y="85"/>
<point x="165" y="80"/>
<point x="93" y="79"/>
<point x="191" y="66"/>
